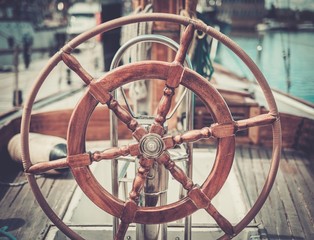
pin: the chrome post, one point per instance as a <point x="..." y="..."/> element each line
<point x="163" y="198"/>
<point x="155" y="193"/>
<point x="114" y="162"/>
<point x="189" y="151"/>
<point x="160" y="184"/>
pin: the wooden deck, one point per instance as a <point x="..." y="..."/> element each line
<point x="289" y="210"/>
<point x="287" y="214"/>
<point x="20" y="212"/>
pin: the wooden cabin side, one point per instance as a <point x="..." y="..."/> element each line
<point x="297" y="133"/>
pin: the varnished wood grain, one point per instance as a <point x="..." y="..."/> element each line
<point x="140" y="178"/>
<point x="223" y="223"/>
<point x="176" y="172"/>
<point x="126" y="118"/>
<point x="112" y="153"/>
<point x="185" y="42"/>
<point x="40" y="168"/>
<point x="164" y="106"/>
<point x="75" y="66"/>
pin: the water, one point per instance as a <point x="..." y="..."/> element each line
<point x="271" y="60"/>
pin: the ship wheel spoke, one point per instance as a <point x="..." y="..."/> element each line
<point x="75" y="66"/>
<point x="115" y="152"/>
<point x="175" y="75"/>
<point x="177" y="173"/>
<point x="186" y="40"/>
<point x="139" y="180"/>
<point x="122" y="229"/>
<point x="223" y="223"/>
<point x="215" y="130"/>
<point x="126" y="118"/>
<point x="85" y="159"/>
<point x="128" y="214"/>
<point x="130" y="206"/>
<point x="202" y="201"/>
<point x="260" y="120"/>
<point x="192" y="136"/>
<point x="42" y="167"/>
<point x="220" y="130"/>
<point x="162" y="111"/>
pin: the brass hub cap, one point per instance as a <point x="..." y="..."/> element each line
<point x="151" y="146"/>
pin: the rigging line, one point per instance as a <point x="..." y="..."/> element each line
<point x="286" y="54"/>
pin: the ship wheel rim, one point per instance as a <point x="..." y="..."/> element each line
<point x="115" y="206"/>
<point x="25" y="124"/>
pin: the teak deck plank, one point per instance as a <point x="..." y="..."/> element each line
<point x="260" y="167"/>
<point x="22" y="214"/>
<point x="293" y="217"/>
<point x="289" y="218"/>
<point x="306" y="178"/>
<point x="288" y="212"/>
<point x="244" y="163"/>
<point x="300" y="194"/>
<point x="248" y="168"/>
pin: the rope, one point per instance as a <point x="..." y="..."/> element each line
<point x="4" y="232"/>
<point x="199" y="51"/>
<point x="141" y="51"/>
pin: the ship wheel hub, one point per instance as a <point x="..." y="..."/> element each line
<point x="151" y="146"/>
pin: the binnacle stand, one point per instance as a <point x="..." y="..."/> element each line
<point x="152" y="145"/>
<point x="156" y="187"/>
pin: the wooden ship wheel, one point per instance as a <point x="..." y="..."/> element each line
<point x="152" y="144"/>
